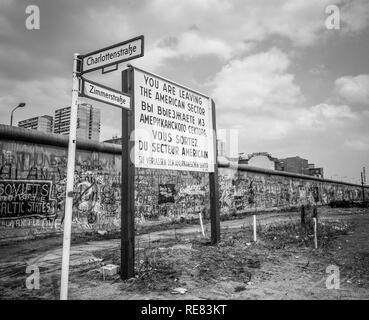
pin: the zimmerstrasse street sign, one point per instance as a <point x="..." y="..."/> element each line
<point x="104" y="94"/>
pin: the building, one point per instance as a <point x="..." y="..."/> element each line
<point x="291" y="164"/>
<point x="221" y="147"/>
<point x="114" y="140"/>
<point x="88" y="122"/>
<point x="42" y="123"/>
<point x="260" y="160"/>
<point x="295" y="165"/>
<point x="316" y="172"/>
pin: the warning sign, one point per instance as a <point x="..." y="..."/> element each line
<point x="173" y="125"/>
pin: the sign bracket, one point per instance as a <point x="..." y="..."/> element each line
<point x="107" y="70"/>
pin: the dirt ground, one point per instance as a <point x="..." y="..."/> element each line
<point x="282" y="264"/>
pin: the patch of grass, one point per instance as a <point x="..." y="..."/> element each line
<point x="281" y="235"/>
<point x="155" y="271"/>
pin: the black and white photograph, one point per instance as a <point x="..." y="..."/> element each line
<point x="184" y="155"/>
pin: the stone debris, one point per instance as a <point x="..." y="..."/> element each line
<point x="182" y="247"/>
<point x="109" y="270"/>
<point x="179" y="291"/>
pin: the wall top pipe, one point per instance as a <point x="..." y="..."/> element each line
<point x="59" y="140"/>
<point x="225" y="163"/>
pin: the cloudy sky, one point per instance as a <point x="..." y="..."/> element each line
<point x="290" y="85"/>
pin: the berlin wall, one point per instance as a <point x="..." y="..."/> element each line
<point x="33" y="170"/>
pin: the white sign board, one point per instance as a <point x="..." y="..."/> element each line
<point x="113" y="55"/>
<point x="104" y="94"/>
<point x="173" y="125"/>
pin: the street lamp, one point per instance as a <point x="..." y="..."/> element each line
<point x="21" y="105"/>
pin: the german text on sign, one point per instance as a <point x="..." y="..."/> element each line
<point x="112" y="55"/>
<point x="104" y="94"/>
<point x="173" y="125"/>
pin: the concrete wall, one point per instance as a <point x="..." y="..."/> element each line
<point x="33" y="178"/>
<point x="248" y="189"/>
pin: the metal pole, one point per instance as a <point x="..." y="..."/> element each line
<point x="11" y="117"/>
<point x="315" y="233"/>
<point x="70" y="182"/>
<point x="20" y="105"/>
<point x="364" y="183"/>
<point x="364" y="175"/>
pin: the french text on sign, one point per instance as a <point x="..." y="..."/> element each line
<point x="104" y="94"/>
<point x="120" y="52"/>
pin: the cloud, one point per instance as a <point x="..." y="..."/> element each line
<point x="246" y="20"/>
<point x="40" y="97"/>
<point x="354" y="89"/>
<point x="258" y="95"/>
<point x="190" y="45"/>
<point x="324" y="116"/>
<point x="355" y="15"/>
<point x="356" y="144"/>
<point x="258" y="83"/>
<point x="318" y="70"/>
<point x="225" y="48"/>
<point x="300" y="21"/>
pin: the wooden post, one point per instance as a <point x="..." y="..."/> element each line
<point x="315" y="213"/>
<point x="303" y="221"/>
<point x="254" y="220"/>
<point x="315" y="233"/>
<point x="214" y="191"/>
<point x="201" y="224"/>
<point x="128" y="176"/>
<point x="362" y="186"/>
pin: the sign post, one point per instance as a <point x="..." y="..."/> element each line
<point x="128" y="176"/>
<point x="99" y="60"/>
<point x="70" y="182"/>
<point x="214" y="187"/>
<point x="174" y="129"/>
<point x="362" y="174"/>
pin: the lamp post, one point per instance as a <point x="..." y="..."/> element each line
<point x="362" y="174"/>
<point x="21" y="105"/>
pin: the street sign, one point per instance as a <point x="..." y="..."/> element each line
<point x="117" y="53"/>
<point x="99" y="59"/>
<point x="173" y="125"/>
<point x="104" y="94"/>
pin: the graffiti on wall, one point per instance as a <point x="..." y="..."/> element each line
<point x="96" y="184"/>
<point x="244" y="191"/>
<point x="33" y="180"/>
<point x="26" y="198"/>
<point x="167" y="193"/>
